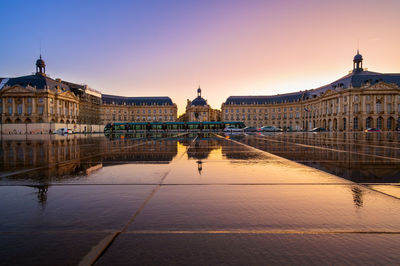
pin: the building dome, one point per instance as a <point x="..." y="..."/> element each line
<point x="358" y="57"/>
<point x="199" y="101"/>
<point x="40" y="62"/>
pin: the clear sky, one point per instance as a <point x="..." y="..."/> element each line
<point x="168" y="48"/>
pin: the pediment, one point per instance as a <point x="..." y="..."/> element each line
<point x="383" y="86"/>
<point x="67" y="95"/>
<point x="17" y="89"/>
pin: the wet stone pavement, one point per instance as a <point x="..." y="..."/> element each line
<point x="196" y="199"/>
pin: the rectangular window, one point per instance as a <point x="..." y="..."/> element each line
<point x="40" y="110"/>
<point x="19" y="109"/>
<point x="9" y="100"/>
<point x="368" y="107"/>
<point x="10" y="110"/>
<point x="29" y="100"/>
<point x="356" y="108"/>
<point x="378" y="107"/>
<point x="368" y="97"/>
<point x="389" y="107"/>
<point x="29" y="110"/>
<point x="40" y="100"/>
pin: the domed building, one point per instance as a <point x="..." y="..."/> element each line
<point x="359" y="100"/>
<point x="37" y="104"/>
<point x="199" y="110"/>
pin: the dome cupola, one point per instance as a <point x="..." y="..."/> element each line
<point x="40" y="66"/>
<point x="357" y="62"/>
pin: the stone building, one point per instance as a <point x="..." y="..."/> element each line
<point x="39" y="104"/>
<point x="36" y="99"/>
<point x="199" y="110"/>
<point x="89" y="103"/>
<point x="137" y="109"/>
<point x="359" y="100"/>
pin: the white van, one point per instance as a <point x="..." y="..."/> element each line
<point x="61" y="131"/>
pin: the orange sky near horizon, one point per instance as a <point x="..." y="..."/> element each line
<point x="228" y="47"/>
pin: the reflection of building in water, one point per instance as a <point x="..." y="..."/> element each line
<point x="134" y="150"/>
<point x="357" y="196"/>
<point x="42" y="194"/>
<point x="199" y="166"/>
<point x="348" y="155"/>
<point x="34" y="153"/>
<point x="202" y="147"/>
<point x="50" y="156"/>
<point x="61" y="157"/>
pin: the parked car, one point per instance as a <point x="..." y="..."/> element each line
<point x="232" y="129"/>
<point x="270" y="129"/>
<point x="63" y="131"/>
<point x="319" y="129"/>
<point x="372" y="130"/>
<point x="250" y="129"/>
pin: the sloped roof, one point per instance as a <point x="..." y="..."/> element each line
<point x="199" y="101"/>
<point x="355" y="79"/>
<point x="280" y="98"/>
<point x="121" y="100"/>
<point x="38" y="81"/>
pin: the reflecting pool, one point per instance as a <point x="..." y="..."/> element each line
<point x="188" y="198"/>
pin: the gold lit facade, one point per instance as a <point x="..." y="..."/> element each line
<point x="360" y="100"/>
<point x="39" y="104"/>
<point x="199" y="110"/>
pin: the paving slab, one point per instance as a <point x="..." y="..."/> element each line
<point x="55" y="248"/>
<point x="270" y="207"/>
<point x="69" y="207"/>
<point x="253" y="249"/>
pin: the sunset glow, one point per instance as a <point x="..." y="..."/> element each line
<point x="168" y="48"/>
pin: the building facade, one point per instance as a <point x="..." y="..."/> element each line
<point x="199" y="110"/>
<point x="362" y="99"/>
<point x="137" y="109"/>
<point x="39" y="104"/>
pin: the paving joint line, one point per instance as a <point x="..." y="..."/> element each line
<point x="328" y="149"/>
<point x="97" y="252"/>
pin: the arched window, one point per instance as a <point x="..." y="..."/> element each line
<point x="368" y="122"/>
<point x="390" y="123"/>
<point x="379" y="122"/>
<point x="355" y="123"/>
<point x="344" y="124"/>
